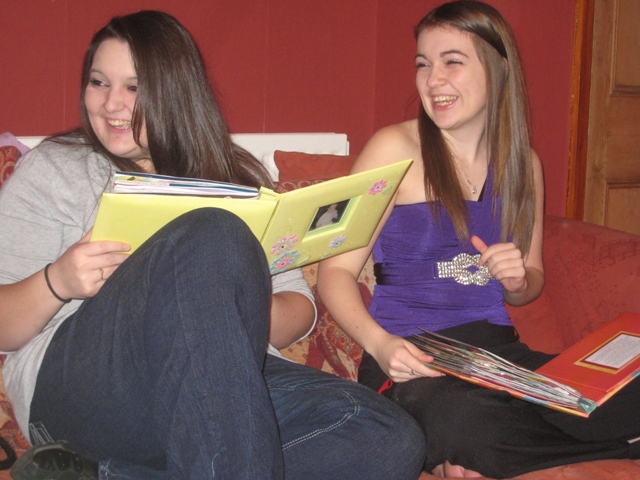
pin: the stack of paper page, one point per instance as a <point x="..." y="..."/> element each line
<point x="483" y="368"/>
<point x="127" y="182"/>
<point x="577" y="381"/>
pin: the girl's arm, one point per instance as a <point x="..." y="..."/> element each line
<point x="337" y="277"/>
<point x="292" y="316"/>
<point x="28" y="305"/>
<point x="293" y="311"/>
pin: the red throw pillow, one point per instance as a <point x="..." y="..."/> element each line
<point x="288" y="185"/>
<point x="294" y="166"/>
<point x="9" y="155"/>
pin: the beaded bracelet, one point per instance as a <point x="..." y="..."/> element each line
<point x="46" y="277"/>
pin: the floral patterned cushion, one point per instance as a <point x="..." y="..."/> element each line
<point x="8" y="426"/>
<point x="328" y="347"/>
<point x="9" y="155"/>
<point x="9" y="430"/>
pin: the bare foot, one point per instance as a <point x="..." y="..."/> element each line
<point x="446" y="470"/>
<point x="438" y="471"/>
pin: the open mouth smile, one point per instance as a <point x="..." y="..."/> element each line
<point x="120" y="124"/>
<point x="444" y="100"/>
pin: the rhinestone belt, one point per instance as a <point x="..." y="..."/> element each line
<point x="465" y="270"/>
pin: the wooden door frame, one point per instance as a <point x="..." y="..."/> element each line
<point x="579" y="118"/>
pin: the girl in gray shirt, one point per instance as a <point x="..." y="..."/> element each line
<point x="154" y="365"/>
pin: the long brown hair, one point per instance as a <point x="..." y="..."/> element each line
<point x="187" y="135"/>
<point x="507" y="127"/>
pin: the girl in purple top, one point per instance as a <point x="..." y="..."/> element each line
<point x="462" y="236"/>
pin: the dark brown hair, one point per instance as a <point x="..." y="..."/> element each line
<point x="186" y="132"/>
<point x="507" y="127"/>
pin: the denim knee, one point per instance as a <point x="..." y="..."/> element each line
<point x="206" y="223"/>
<point x="339" y="429"/>
<point x="210" y="238"/>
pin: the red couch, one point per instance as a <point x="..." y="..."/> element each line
<point x="592" y="275"/>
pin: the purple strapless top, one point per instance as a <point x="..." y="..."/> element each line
<point x="409" y="293"/>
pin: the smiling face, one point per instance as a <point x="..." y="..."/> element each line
<point x="451" y="80"/>
<point x="110" y="97"/>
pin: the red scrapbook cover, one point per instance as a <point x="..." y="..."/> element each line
<point x="576" y="381"/>
<point x="601" y="363"/>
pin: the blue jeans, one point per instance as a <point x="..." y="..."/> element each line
<point x="332" y="429"/>
<point x="160" y="375"/>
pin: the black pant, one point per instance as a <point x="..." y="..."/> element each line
<point x="501" y="436"/>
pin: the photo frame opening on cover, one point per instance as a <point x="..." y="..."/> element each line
<point x="329" y="215"/>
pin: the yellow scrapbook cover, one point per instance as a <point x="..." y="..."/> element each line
<point x="295" y="228"/>
<point x="134" y="217"/>
<point x="329" y="218"/>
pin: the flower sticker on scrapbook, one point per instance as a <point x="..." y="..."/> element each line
<point x="284" y="262"/>
<point x="336" y="242"/>
<point x="285" y="244"/>
<point x="379" y="187"/>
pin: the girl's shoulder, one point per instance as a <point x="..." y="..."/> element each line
<point x="53" y="151"/>
<point x="398" y="136"/>
<point x="391" y="144"/>
<point x="54" y="163"/>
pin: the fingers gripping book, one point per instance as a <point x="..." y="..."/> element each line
<point x="294" y="228"/>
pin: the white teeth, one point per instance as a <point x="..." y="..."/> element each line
<point x="444" y="100"/>
<point x="123" y="124"/>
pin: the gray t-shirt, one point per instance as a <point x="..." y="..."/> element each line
<point x="47" y="205"/>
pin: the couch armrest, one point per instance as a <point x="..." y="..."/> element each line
<point x="592" y="274"/>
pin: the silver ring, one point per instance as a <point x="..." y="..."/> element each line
<point x="412" y="372"/>
<point x="102" y="276"/>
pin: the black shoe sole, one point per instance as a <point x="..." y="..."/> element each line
<point x="26" y="469"/>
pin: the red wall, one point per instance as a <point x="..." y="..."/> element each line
<point x="287" y="65"/>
